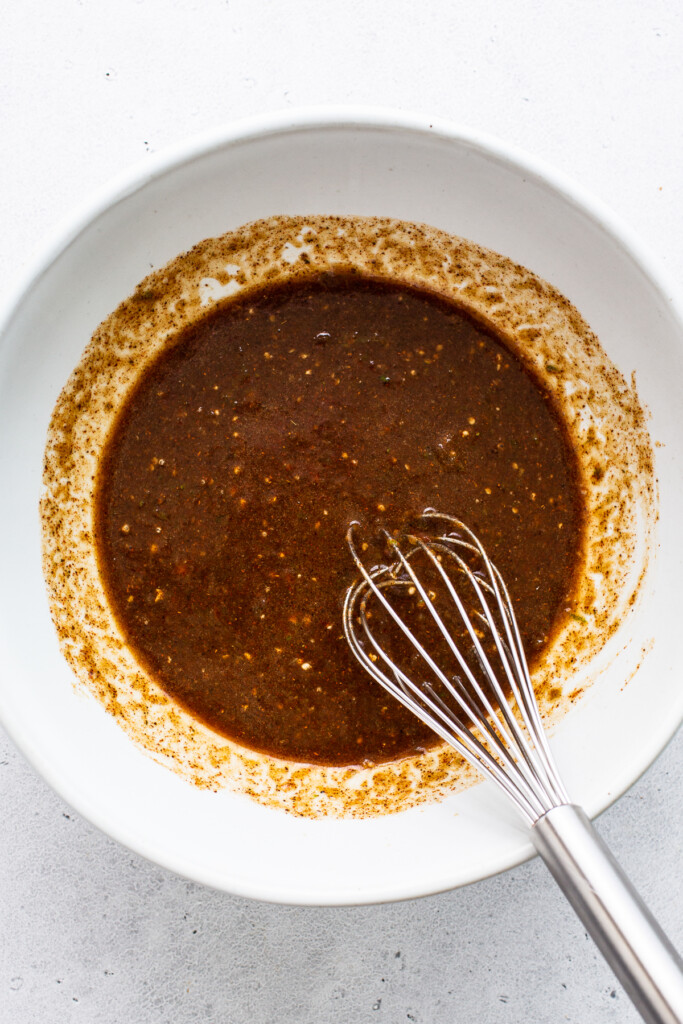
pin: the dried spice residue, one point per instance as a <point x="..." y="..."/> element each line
<point x="600" y="410"/>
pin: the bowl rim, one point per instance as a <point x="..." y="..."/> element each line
<point x="281" y="122"/>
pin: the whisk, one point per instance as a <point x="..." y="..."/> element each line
<point x="436" y="628"/>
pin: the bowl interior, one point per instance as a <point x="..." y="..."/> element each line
<point x="383" y="167"/>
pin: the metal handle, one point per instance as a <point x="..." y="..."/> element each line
<point x="616" y="918"/>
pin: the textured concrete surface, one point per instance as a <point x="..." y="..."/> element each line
<point x="91" y="933"/>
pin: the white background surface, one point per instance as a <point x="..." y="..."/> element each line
<point x="89" y="932"/>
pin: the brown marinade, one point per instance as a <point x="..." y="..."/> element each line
<point x="233" y="470"/>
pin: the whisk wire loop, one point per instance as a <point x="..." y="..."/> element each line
<point x="439" y="717"/>
<point x="502" y="735"/>
<point x="511" y="737"/>
<point x="520" y="680"/>
<point x="421" y="701"/>
<point x="516" y="674"/>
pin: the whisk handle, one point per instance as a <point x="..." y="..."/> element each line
<point x="622" y="927"/>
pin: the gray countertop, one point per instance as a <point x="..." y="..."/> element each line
<point x="90" y="932"/>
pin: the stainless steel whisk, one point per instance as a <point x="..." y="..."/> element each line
<point x="474" y="690"/>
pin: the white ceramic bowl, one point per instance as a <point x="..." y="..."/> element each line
<point x="334" y="162"/>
